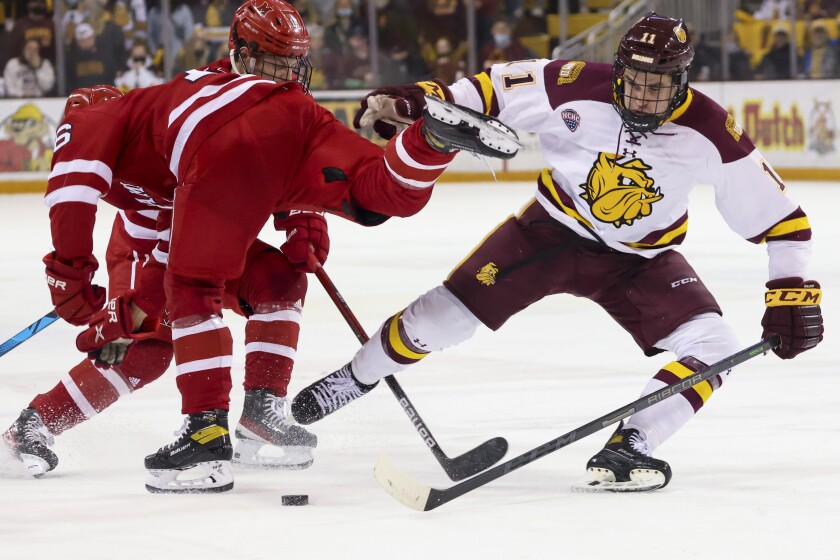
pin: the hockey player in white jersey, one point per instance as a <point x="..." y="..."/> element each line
<point x="625" y="144"/>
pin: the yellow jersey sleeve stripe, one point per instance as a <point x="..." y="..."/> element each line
<point x="788" y="227"/>
<point x="486" y="90"/>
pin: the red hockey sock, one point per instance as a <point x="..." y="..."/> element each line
<point x="270" y="345"/>
<point x="203" y="354"/>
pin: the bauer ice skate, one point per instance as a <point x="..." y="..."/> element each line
<point x="449" y="127"/>
<point x="197" y="461"/>
<point x="327" y="395"/>
<point x="624" y="466"/>
<point x="266" y="428"/>
<point x="29" y="440"/>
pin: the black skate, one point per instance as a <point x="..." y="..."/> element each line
<point x="201" y="451"/>
<point x="327" y="395"/>
<point x="29" y="440"/>
<point x="266" y="424"/>
<point x="449" y="127"/>
<point x="623" y="466"/>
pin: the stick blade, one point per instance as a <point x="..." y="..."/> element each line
<point x="476" y="460"/>
<point x="400" y="486"/>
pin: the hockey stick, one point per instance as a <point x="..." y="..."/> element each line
<point x="457" y="468"/>
<point x="424" y="498"/>
<point x="29" y="332"/>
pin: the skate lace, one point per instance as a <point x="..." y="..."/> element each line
<point x="639" y="444"/>
<point x="179" y="433"/>
<point x="34" y="430"/>
<point x="487" y="163"/>
<point x="276" y="409"/>
<point x="336" y="390"/>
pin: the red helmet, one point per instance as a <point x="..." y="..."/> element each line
<point x="85" y="97"/>
<point x="659" y="46"/>
<point x="272" y="27"/>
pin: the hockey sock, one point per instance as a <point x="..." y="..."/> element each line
<point x="203" y="354"/>
<point x="270" y="345"/>
<point x="662" y="420"/>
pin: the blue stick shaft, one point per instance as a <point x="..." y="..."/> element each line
<point x="29" y="332"/>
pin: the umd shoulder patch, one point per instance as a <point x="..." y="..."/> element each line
<point x="733" y="128"/>
<point x="569" y="72"/>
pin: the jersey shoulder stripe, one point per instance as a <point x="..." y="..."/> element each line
<point x="574" y="80"/>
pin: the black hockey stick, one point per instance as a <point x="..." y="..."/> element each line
<point x="457" y="468"/>
<point x="424" y="498"/>
<point x="29" y="332"/>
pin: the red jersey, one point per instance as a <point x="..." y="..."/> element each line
<point x="134" y="151"/>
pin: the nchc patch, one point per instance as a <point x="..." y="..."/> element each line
<point x="571" y="118"/>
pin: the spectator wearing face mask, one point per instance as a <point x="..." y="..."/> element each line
<point x="139" y="74"/>
<point x="504" y="47"/>
<point x="337" y="35"/>
<point x="195" y="53"/>
<point x="29" y="75"/>
<point x="35" y="24"/>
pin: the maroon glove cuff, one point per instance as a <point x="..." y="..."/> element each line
<point x="411" y="98"/>
<point x="793" y="312"/>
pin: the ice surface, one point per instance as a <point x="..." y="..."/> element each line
<point x="755" y="474"/>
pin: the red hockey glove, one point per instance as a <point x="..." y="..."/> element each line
<point x="113" y="329"/>
<point x="306" y="232"/>
<point x="391" y="109"/>
<point x="793" y="312"/>
<point x="74" y="297"/>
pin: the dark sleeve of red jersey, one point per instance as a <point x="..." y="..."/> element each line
<point x="353" y="177"/>
<point x="150" y="295"/>
<point x="86" y="149"/>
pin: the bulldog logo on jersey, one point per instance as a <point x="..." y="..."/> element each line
<point x="619" y="193"/>
<point x="487" y="274"/>
<point x="571" y="118"/>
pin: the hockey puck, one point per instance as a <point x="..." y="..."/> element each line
<point x="296" y="500"/>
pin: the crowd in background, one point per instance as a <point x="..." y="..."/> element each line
<point x="120" y="42"/>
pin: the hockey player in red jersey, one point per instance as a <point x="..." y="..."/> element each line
<point x="604" y="224"/>
<point x="239" y="148"/>
<point x="270" y="292"/>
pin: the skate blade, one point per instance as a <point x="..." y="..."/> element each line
<point x="603" y="480"/>
<point x="35" y="466"/>
<point x="492" y="133"/>
<point x="250" y="454"/>
<point x="207" y="477"/>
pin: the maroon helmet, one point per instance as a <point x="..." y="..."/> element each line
<point x="655" y="47"/>
<point x="85" y="97"/>
<point x="271" y="27"/>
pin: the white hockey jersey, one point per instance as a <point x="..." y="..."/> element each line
<point x="626" y="189"/>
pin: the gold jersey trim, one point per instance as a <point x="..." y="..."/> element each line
<point x="788" y="227"/>
<point x="548" y="181"/>
<point x="486" y="90"/>
<point x="664" y="240"/>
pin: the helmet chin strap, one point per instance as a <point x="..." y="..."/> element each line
<point x="252" y="62"/>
